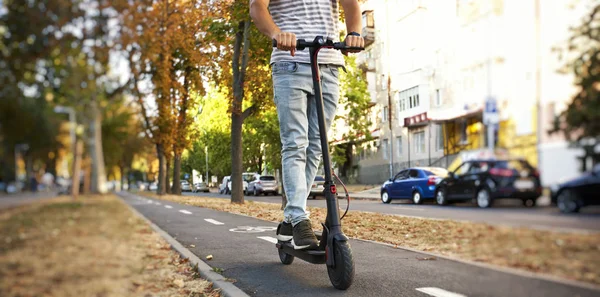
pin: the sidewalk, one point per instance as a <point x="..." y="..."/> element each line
<point x="371" y="194"/>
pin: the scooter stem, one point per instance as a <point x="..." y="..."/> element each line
<point x="333" y="218"/>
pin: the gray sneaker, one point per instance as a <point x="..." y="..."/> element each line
<point x="284" y="231"/>
<point x="304" y="236"/>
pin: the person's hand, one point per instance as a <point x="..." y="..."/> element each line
<point x="286" y="41"/>
<point x="353" y="41"/>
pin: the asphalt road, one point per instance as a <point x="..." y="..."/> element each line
<point x="250" y="258"/>
<point x="12" y="200"/>
<point x="507" y="212"/>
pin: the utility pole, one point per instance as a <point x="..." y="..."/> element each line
<point x="206" y="154"/>
<point x="538" y="81"/>
<point x="389" y="88"/>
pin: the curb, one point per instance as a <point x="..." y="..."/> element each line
<point x="227" y="288"/>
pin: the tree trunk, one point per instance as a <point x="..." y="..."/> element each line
<point x="237" y="116"/>
<point x="160" y="153"/>
<point x="176" y="174"/>
<point x="122" y="173"/>
<point x="237" y="186"/>
<point x="98" y="172"/>
<point x="87" y="176"/>
<point x="167" y="177"/>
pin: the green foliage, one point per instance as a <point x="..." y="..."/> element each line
<point x="354" y="112"/>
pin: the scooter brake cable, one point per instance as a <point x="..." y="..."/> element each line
<point x="347" y="195"/>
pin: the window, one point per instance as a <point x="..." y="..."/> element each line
<point x="439" y="139"/>
<point x="402" y="175"/>
<point x="438" y="97"/>
<point x="385" y="149"/>
<point x="463" y="131"/>
<point x="416" y="101"/>
<point x="367" y="19"/>
<point x="463" y="169"/>
<point x="419" y="141"/>
<point x="413" y="174"/>
<point x="410" y="100"/>
<point x="399" y="145"/>
<point x="385" y="114"/>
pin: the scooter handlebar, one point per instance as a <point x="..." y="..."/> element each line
<point x="301" y="44"/>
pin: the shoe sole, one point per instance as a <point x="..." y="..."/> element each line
<point x="284" y="237"/>
<point x="303" y="247"/>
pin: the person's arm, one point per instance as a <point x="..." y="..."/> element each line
<point x="259" y="11"/>
<point x="353" y="22"/>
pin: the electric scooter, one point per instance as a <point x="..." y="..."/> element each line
<point x="334" y="248"/>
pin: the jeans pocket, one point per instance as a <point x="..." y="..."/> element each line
<point x="284" y="67"/>
<point x="335" y="71"/>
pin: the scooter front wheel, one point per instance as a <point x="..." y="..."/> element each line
<point x="285" y="258"/>
<point x="342" y="274"/>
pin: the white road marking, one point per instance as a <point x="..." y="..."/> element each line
<point x="168" y="206"/>
<point x="214" y="222"/>
<point x="157" y="203"/>
<point x="150" y="201"/>
<point x="268" y="238"/>
<point x="184" y="211"/>
<point x="437" y="292"/>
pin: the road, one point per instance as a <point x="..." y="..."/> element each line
<point x="252" y="261"/>
<point x="12" y="200"/>
<point x="506" y="213"/>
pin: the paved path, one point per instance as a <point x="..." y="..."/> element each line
<point x="251" y="259"/>
<point x="508" y="212"/>
<point x="11" y="200"/>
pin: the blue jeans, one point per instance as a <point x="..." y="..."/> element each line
<point x="299" y="128"/>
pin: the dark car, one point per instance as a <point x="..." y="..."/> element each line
<point x="582" y="191"/>
<point x="413" y="183"/>
<point x="487" y="180"/>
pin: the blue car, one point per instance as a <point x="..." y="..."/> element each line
<point x="413" y="183"/>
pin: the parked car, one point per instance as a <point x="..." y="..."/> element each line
<point x="153" y="186"/>
<point x="490" y="179"/>
<point x="186" y="186"/>
<point x="200" y="187"/>
<point x="225" y="186"/>
<point x="317" y="187"/>
<point x="414" y="183"/>
<point x="576" y="193"/>
<point x="262" y="184"/>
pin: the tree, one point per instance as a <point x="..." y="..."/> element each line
<point x="580" y="122"/>
<point x="354" y="114"/>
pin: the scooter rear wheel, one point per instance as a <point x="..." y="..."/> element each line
<point x="342" y="274"/>
<point x="285" y="258"/>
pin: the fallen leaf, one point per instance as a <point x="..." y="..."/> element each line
<point x="209" y="257"/>
<point x="192" y="246"/>
<point x="427" y="259"/>
<point x="179" y="283"/>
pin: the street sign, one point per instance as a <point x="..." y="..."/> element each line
<point x="490" y="112"/>
<point x="186" y="176"/>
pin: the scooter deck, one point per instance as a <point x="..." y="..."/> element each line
<point x="311" y="256"/>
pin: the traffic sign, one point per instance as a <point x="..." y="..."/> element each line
<point x="490" y="112"/>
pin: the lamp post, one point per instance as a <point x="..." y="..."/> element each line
<point x="76" y="162"/>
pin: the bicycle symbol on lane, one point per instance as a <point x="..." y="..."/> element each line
<point x="251" y="229"/>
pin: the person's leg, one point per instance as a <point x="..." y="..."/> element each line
<point x="292" y="83"/>
<point x="330" y="88"/>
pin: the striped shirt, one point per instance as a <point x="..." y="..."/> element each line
<point x="307" y="19"/>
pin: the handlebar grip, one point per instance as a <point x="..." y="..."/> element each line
<point x="300" y="44"/>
